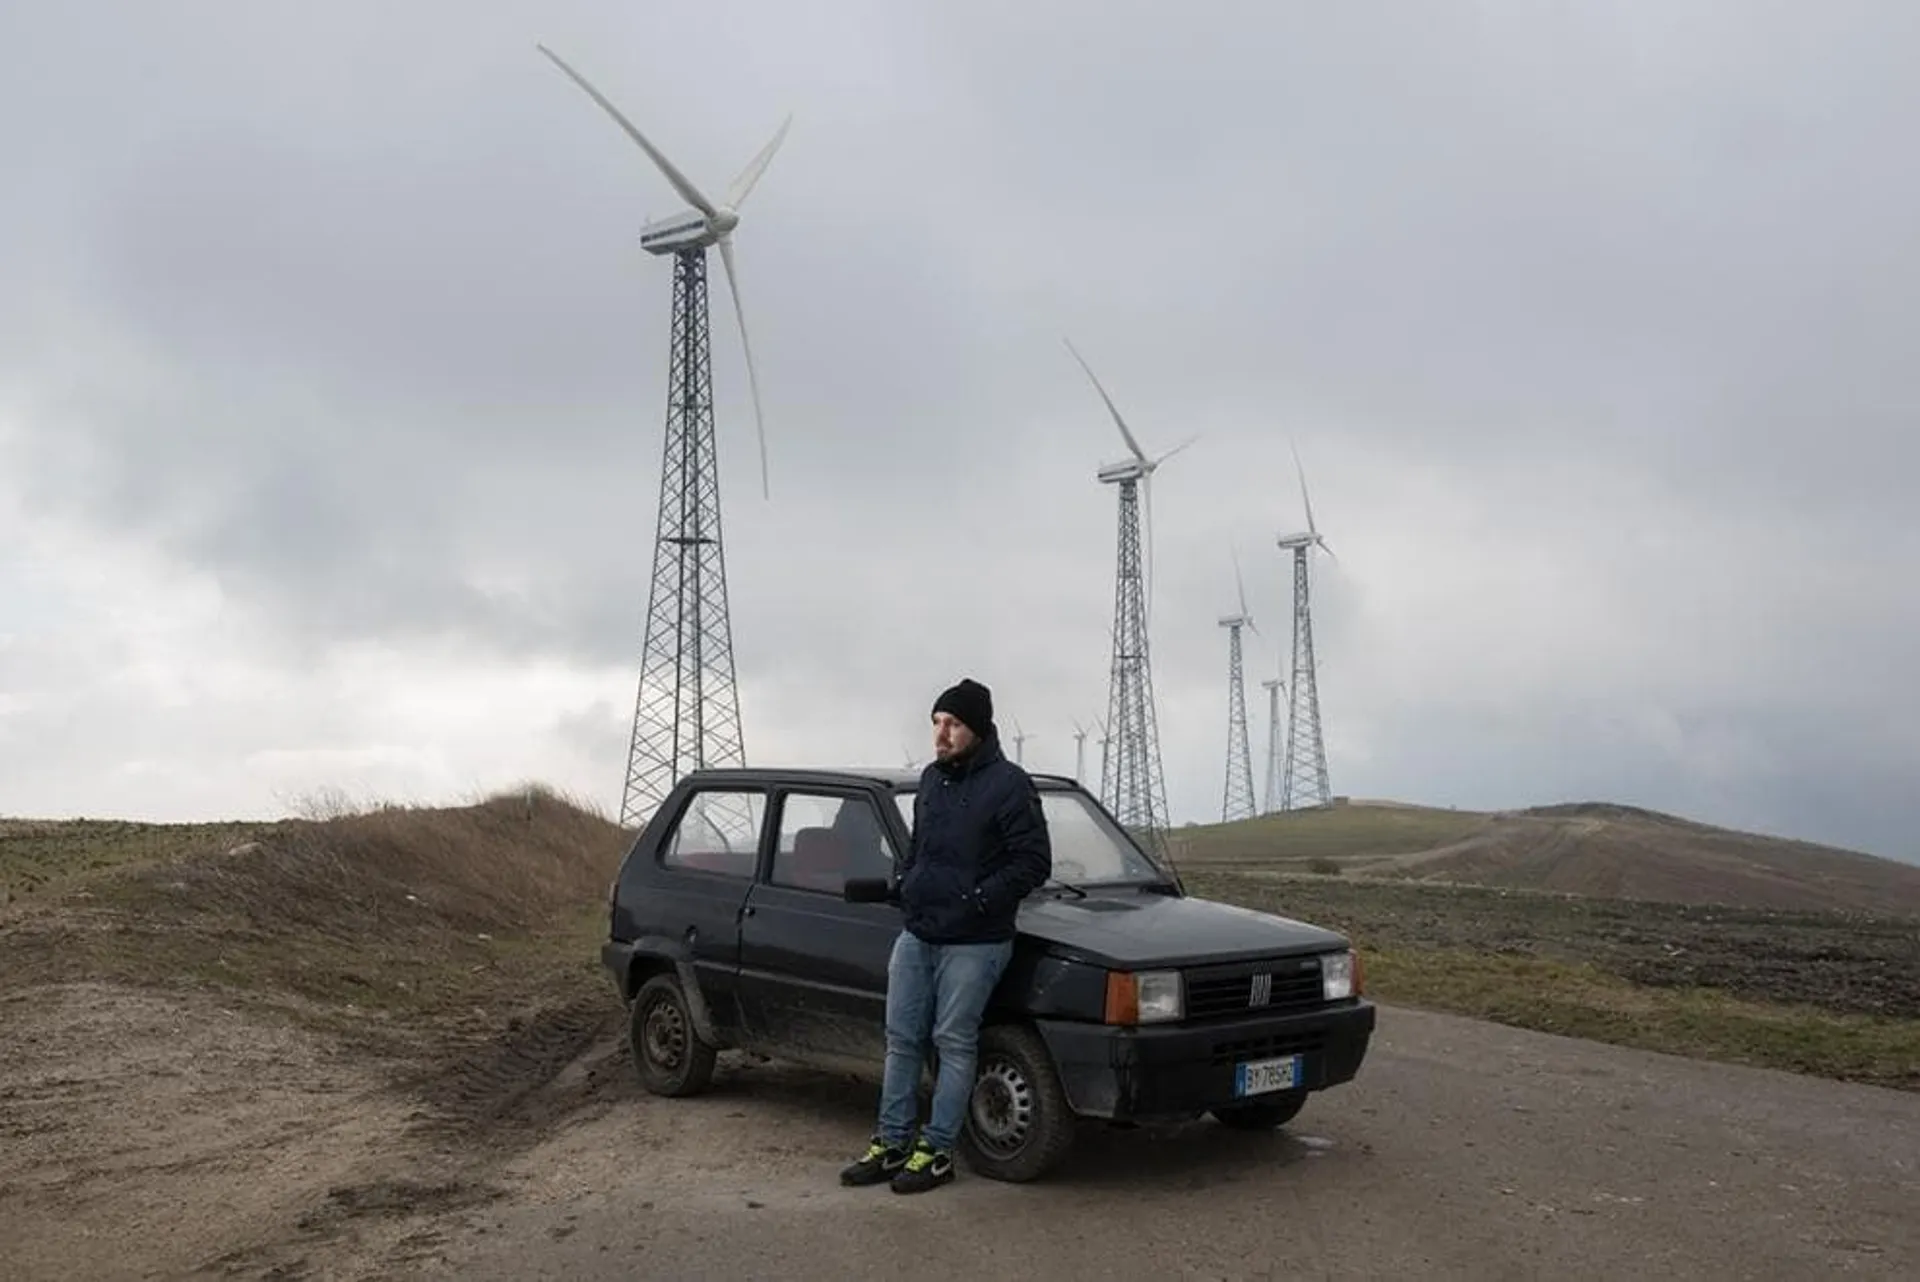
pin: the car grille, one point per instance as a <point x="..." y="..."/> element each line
<point x="1273" y="984"/>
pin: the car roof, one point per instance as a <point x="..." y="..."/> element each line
<point x="886" y="776"/>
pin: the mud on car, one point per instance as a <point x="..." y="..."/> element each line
<point x="753" y="912"/>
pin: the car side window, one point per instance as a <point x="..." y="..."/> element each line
<point x="825" y="839"/>
<point x="719" y="831"/>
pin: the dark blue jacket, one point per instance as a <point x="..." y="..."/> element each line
<point x="980" y="846"/>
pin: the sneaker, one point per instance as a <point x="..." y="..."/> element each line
<point x="879" y="1163"/>
<point x="927" y="1168"/>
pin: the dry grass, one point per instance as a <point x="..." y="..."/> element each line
<point x="1830" y="994"/>
<point x="1341" y="832"/>
<point x="1583" y="848"/>
<point x="41" y="857"/>
<point x="1701" y="1023"/>
<point x="401" y="925"/>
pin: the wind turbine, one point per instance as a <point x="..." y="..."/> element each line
<point x="687" y="707"/>
<point x="1270" y="800"/>
<point x="1139" y="468"/>
<point x="1237" y="803"/>
<point x="1306" y="760"/>
<point x="1079" y="751"/>
<point x="693" y="229"/>
<point x="1136" y="793"/>
<point x="1104" y="740"/>
<point x="1020" y="738"/>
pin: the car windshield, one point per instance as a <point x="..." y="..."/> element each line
<point x="1087" y="848"/>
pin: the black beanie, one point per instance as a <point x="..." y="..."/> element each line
<point x="971" y="702"/>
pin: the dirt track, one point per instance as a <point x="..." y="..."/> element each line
<point x="1465" y="1150"/>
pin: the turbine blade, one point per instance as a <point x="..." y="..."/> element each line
<point x="1241" y="584"/>
<point x="1125" y="432"/>
<point x="1176" y="449"/>
<point x="1305" y="501"/>
<point x="688" y="192"/>
<point x="753" y="375"/>
<point x="737" y="194"/>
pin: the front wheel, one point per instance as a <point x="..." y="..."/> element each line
<point x="1019" y="1123"/>
<point x="1263" y="1115"/>
<point x="667" y="1050"/>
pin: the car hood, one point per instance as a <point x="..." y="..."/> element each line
<point x="1130" y="928"/>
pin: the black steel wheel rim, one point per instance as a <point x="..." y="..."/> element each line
<point x="664" y="1034"/>
<point x="1001" y="1109"/>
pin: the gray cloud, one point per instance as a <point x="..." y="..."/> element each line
<point x="1591" y="330"/>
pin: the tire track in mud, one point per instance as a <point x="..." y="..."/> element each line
<point x="476" y="1105"/>
<point x="540" y="1072"/>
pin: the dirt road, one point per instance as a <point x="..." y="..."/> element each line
<point x="142" y="1138"/>
<point x="1465" y="1151"/>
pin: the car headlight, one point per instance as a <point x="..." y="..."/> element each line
<point x="1144" y="997"/>
<point x="1339" y="976"/>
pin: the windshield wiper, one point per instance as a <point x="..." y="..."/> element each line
<point x="1066" y="886"/>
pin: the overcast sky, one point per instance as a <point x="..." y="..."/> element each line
<point x="332" y="389"/>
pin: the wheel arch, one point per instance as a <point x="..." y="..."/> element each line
<point x="657" y="955"/>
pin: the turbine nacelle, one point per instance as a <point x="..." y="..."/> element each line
<point x="688" y="229"/>
<point x="1129" y="470"/>
<point x="1235" y="621"/>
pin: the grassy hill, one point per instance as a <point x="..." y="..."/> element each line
<point x="1595" y="849"/>
<point x="419" y="932"/>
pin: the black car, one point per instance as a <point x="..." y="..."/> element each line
<point x="752" y="912"/>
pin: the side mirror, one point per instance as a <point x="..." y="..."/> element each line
<point x="867" y="890"/>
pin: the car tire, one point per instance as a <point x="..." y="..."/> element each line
<point x="668" y="1053"/>
<point x="1262" y="1115"/>
<point x="1019" y="1124"/>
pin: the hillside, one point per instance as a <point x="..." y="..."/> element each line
<point x="390" y="914"/>
<point x="317" y="1027"/>
<point x="1594" y="849"/>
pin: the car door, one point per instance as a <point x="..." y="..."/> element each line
<point x="708" y="861"/>
<point x="813" y="967"/>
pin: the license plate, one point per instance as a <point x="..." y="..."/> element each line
<point x="1257" y="1077"/>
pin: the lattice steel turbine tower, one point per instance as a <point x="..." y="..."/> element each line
<point x="1237" y="803"/>
<point x="1303" y="779"/>
<point x="687" y="707"/>
<point x="1271" y="800"/>
<point x="1135" y="789"/>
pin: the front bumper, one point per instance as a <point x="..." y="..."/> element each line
<point x="1136" y="1073"/>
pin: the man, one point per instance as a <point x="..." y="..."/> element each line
<point x="980" y="846"/>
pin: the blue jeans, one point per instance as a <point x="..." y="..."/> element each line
<point x="935" y="993"/>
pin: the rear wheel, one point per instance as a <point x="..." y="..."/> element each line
<point x="1019" y="1124"/>
<point x="1262" y="1115"/>
<point x="667" y="1051"/>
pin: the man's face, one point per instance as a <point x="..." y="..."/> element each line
<point x="950" y="736"/>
